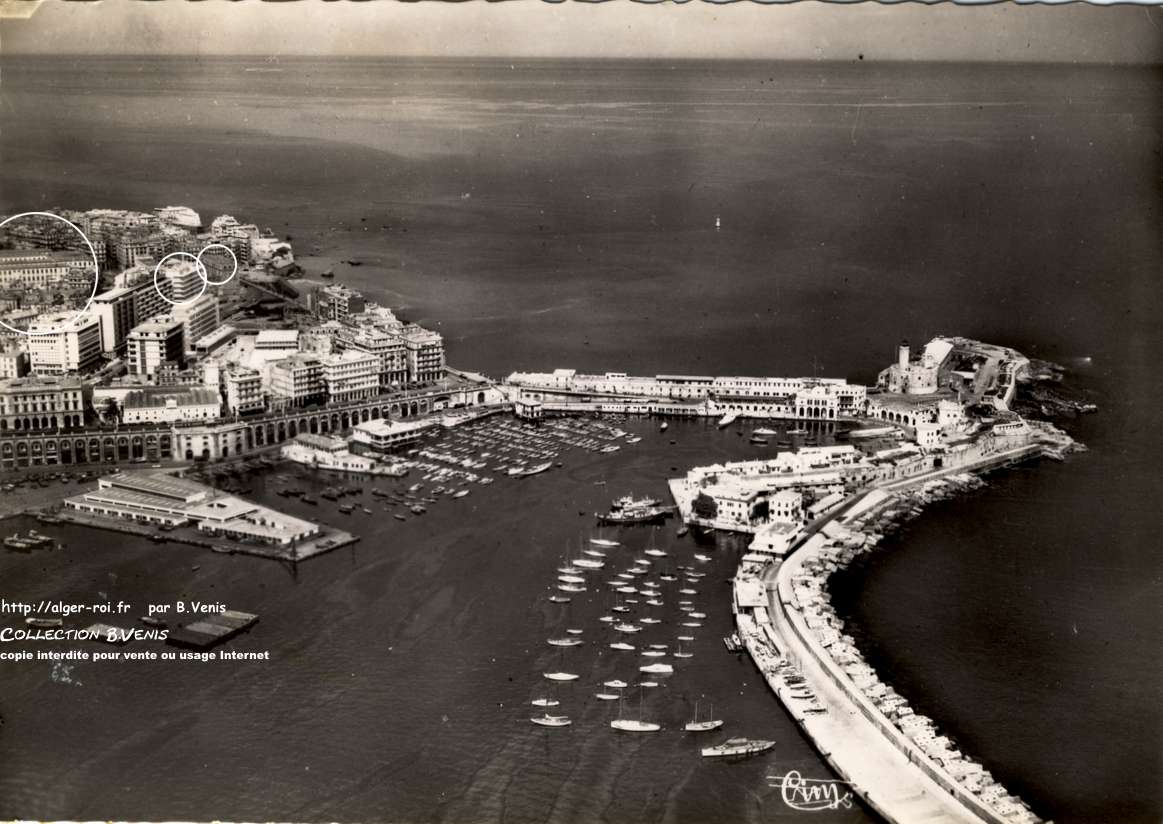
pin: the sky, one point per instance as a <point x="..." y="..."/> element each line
<point x="532" y="28"/>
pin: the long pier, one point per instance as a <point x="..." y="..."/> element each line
<point x="883" y="766"/>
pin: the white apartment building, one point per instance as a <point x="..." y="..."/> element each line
<point x="153" y="343"/>
<point x="351" y="375"/>
<point x="198" y="318"/>
<point x="243" y="390"/>
<point x="297" y="380"/>
<point x="63" y="343"/>
<point x="425" y="352"/>
<point x="389" y="348"/>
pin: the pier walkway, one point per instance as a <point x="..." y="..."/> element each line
<point x="882" y="766"/>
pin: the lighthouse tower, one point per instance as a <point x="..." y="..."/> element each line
<point x="902" y="355"/>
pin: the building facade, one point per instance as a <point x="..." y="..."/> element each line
<point x="64" y="343"/>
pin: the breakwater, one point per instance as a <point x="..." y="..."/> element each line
<point x="893" y="758"/>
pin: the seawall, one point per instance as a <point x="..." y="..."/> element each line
<point x="890" y="771"/>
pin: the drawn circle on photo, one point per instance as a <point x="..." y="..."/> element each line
<point x="233" y="257"/>
<point x="92" y="252"/>
<point x="201" y="273"/>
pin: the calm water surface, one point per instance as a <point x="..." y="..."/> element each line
<point x="548" y="214"/>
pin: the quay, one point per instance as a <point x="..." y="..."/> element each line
<point x="897" y="775"/>
<point x="329" y="538"/>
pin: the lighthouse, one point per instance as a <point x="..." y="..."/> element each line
<point x="902" y="355"/>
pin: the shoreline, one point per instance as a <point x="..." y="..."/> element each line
<point x="903" y="775"/>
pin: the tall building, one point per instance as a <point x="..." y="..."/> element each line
<point x="389" y="348"/>
<point x="153" y="343"/>
<point x="425" y="351"/>
<point x="184" y="278"/>
<point x="63" y="343"/>
<point x="338" y="302"/>
<point x="352" y="375"/>
<point x="297" y="380"/>
<point x="243" y="390"/>
<point x="41" y="403"/>
<point x="198" y="319"/>
<point x="121" y="308"/>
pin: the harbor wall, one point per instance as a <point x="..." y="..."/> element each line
<point x="803" y="643"/>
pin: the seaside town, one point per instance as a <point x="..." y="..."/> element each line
<point x="189" y="353"/>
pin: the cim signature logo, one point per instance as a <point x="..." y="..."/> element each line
<point x="812" y="794"/>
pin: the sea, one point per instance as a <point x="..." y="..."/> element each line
<point x="697" y="217"/>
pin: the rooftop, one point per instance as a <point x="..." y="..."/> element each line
<point x="149" y="397"/>
<point x="156" y="483"/>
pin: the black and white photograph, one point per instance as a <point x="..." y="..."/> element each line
<point x="581" y="412"/>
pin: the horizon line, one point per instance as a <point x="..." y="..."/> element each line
<point x="859" y="58"/>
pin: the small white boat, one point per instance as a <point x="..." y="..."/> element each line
<point x="653" y="653"/>
<point x="627" y="628"/>
<point x="655" y="553"/>
<point x="621" y="645"/>
<point x="651" y="620"/>
<point x="615" y="684"/>
<point x="686" y="638"/>
<point x="648" y="683"/>
<point x="658" y="646"/>
<point x="566" y="642"/>
<point x="575" y="631"/>
<point x="586" y="563"/>
<point x="620" y="608"/>
<point x="548" y="720"/>
<point x="571" y="579"/>
<point x="664" y="426"/>
<point x="606" y="696"/>
<point x="695" y="725"/>
<point x="594" y="553"/>
<point x="607" y="619"/>
<point x="763" y="430"/>
<point x="561" y="676"/>
<point x="559" y="599"/>
<point x="627" y="590"/>
<point x="545" y="702"/>
<point x="699" y="615"/>
<point x="625" y="575"/>
<point x="688" y="591"/>
<point x="630" y="725"/>
<point x="655" y="602"/>
<point x="691" y="624"/>
<point x="604" y="542"/>
<point x="571" y="588"/>
<point x="700" y="557"/>
<point x="657" y="668"/>
<point x="461" y="493"/>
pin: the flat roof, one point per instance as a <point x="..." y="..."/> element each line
<point x="289" y="336"/>
<point x="223" y="508"/>
<point x="382" y="426"/>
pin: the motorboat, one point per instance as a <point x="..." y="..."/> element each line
<point x="545" y="702"/>
<point x="737" y="748"/>
<point x="548" y="720"/>
<point x="659" y="669"/>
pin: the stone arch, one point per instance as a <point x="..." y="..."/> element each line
<point x="365" y="415"/>
<point x="413" y="408"/>
<point x="480" y="397"/>
<point x="281" y="432"/>
<point x="313" y="426"/>
<point x="375" y="413"/>
<point x="292" y="429"/>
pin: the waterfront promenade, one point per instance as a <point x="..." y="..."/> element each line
<point x="890" y="772"/>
